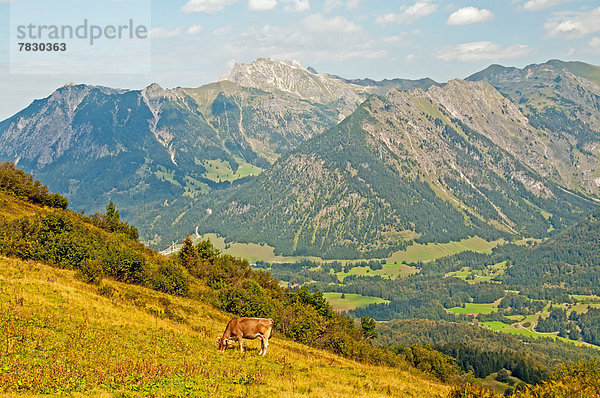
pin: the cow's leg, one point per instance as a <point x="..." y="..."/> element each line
<point x="241" y="345"/>
<point x="266" y="341"/>
<point x="262" y="344"/>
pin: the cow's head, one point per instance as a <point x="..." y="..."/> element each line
<point x="224" y="343"/>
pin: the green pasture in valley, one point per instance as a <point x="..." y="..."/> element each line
<point x="433" y="251"/>
<point x="474" y="308"/>
<point x="351" y="301"/>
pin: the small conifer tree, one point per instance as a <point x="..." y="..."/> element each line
<point x="188" y="255"/>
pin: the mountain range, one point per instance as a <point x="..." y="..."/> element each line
<point x="314" y="164"/>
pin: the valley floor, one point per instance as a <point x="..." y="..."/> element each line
<point x="61" y="336"/>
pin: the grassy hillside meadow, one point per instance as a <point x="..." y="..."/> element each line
<point x="61" y="336"/>
<point x="350" y="301"/>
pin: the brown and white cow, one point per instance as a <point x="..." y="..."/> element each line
<point x="247" y="328"/>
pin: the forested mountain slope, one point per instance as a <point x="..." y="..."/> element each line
<point x="401" y="168"/>
<point x="570" y="260"/>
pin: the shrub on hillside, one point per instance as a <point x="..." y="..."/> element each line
<point x="431" y="361"/>
<point x="64" y="239"/>
<point x="111" y="222"/>
<point x="171" y="279"/>
<point x="23" y="186"/>
<point x="90" y="271"/>
<point x="469" y="390"/>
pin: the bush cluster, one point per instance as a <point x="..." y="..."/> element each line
<point x="23" y="186"/>
<point x="66" y="240"/>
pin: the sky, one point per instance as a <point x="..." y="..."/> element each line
<point x="194" y="42"/>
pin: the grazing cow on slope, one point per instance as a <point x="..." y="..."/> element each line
<point x="247" y="328"/>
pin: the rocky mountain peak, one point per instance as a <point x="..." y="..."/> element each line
<point x="291" y="77"/>
<point x="262" y="70"/>
<point x="154" y="87"/>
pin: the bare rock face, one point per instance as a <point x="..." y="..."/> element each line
<point x="482" y="108"/>
<point x="292" y="78"/>
<point x="45" y="134"/>
<point x="561" y="102"/>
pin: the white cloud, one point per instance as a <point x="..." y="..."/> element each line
<point x="319" y="23"/>
<point x="297" y="5"/>
<point x="537" y="5"/>
<point x="574" y="24"/>
<point x="330" y="5"/>
<point x="163" y="33"/>
<point x="206" y="6"/>
<point x="469" y="15"/>
<point x="396" y="40"/>
<point x="312" y="38"/>
<point x="226" y="30"/>
<point x="353" y="4"/>
<point x="194" y="30"/>
<point x="420" y="9"/>
<point x="595" y="42"/>
<point x="481" y="51"/>
<point x="262" y="5"/>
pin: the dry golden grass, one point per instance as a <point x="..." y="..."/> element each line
<point x="10" y="208"/>
<point x="60" y="336"/>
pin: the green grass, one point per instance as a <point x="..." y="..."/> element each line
<point x="351" y="301"/>
<point x="361" y="271"/>
<point x="433" y="251"/>
<point x="494" y="325"/>
<point x="166" y="175"/>
<point x="396" y="270"/>
<point x="194" y="187"/>
<point x="502" y="327"/>
<point x="518" y="329"/>
<point x="462" y="273"/>
<point x="480" y="275"/>
<point x="390" y="271"/>
<point x="534" y="317"/>
<point x="581" y="298"/>
<point x="252" y="251"/>
<point x="580" y="308"/>
<point x="220" y="170"/>
<point x="475" y="308"/>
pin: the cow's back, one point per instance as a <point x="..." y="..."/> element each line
<point x="253" y="326"/>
